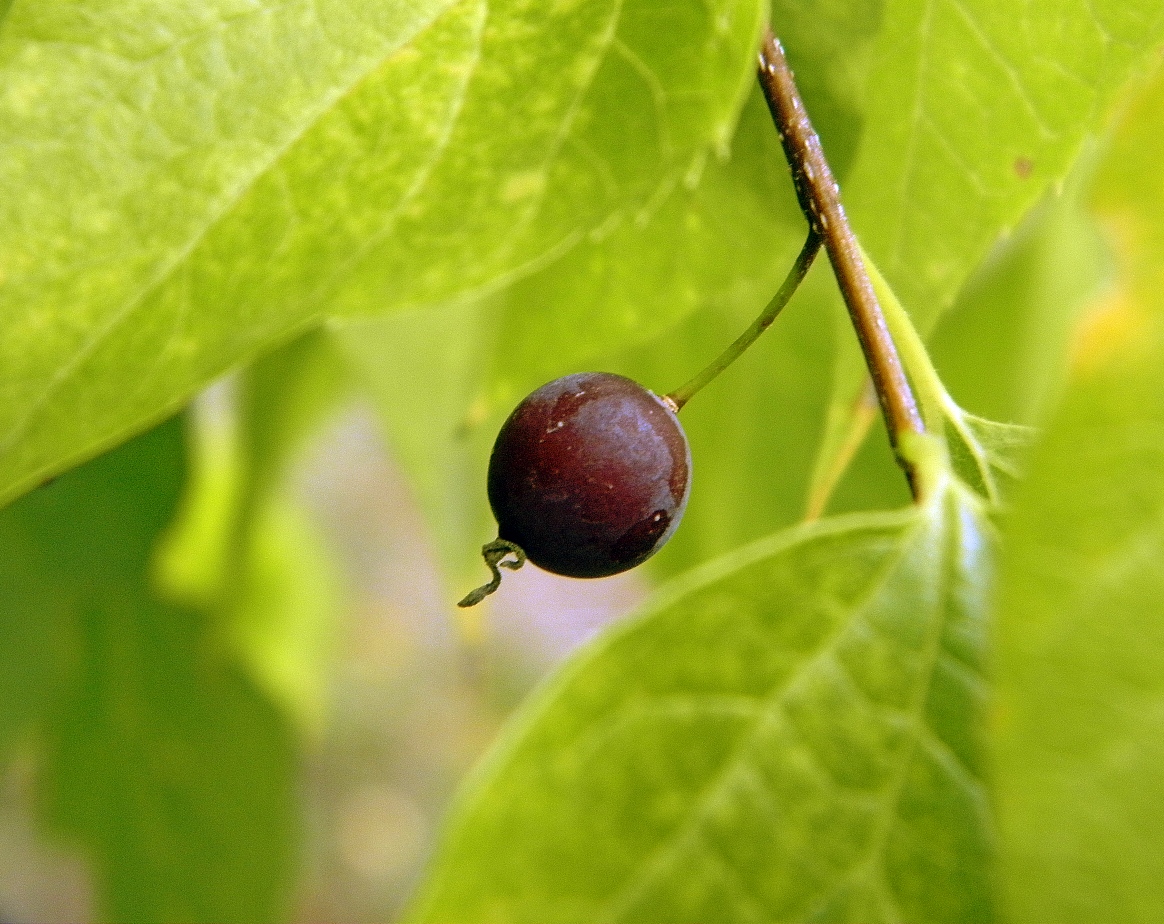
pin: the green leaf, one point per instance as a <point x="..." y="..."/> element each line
<point x="162" y="761"/>
<point x="1002" y="347"/>
<point x="1080" y="719"/>
<point x="185" y="184"/>
<point x="978" y="108"/>
<point x="789" y="735"/>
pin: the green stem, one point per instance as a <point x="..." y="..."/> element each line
<point x="681" y="395"/>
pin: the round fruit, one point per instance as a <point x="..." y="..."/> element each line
<point x="590" y="475"/>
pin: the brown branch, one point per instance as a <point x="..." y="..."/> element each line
<point x="820" y="200"/>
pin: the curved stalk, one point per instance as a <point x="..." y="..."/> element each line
<point x="681" y="395"/>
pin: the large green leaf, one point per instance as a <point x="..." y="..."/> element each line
<point x="162" y="761"/>
<point x="183" y="184"/>
<point x="979" y="107"/>
<point x="789" y="735"/>
<point x="1081" y="619"/>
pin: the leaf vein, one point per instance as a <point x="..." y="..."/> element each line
<point x="1007" y="67"/>
<point x="716" y="790"/>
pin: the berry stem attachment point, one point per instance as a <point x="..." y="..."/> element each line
<point x="681" y="395"/>
<point x="495" y="553"/>
<point x="820" y="200"/>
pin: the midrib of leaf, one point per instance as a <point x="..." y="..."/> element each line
<point x="871" y="868"/>
<point x="224" y="208"/>
<point x="769" y="709"/>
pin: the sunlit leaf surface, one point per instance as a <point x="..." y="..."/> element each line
<point x="182" y="185"/>
<point x="790" y="735"/>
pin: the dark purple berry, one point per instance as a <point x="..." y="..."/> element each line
<point x="590" y="475"/>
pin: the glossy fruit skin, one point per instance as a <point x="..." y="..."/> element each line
<point x="590" y="475"/>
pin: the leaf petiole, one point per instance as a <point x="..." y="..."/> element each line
<point x="938" y="408"/>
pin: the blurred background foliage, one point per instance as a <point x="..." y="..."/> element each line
<point x="306" y="257"/>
